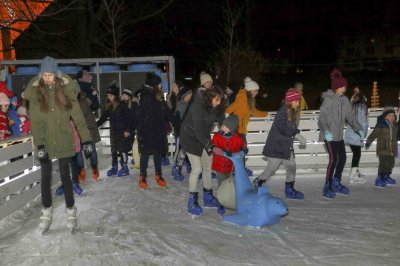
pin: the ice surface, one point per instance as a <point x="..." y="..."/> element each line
<point x="123" y="225"/>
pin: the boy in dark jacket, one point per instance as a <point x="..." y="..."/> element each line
<point x="385" y="132"/>
<point x="279" y="145"/>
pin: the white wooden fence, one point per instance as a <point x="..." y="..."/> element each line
<point x="19" y="177"/>
<point x="313" y="156"/>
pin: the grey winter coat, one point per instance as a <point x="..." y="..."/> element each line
<point x="334" y="112"/>
<point x="196" y="127"/>
<point x="352" y="137"/>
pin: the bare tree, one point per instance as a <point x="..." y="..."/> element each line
<point x="230" y="45"/>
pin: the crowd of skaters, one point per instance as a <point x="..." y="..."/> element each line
<point x="64" y="128"/>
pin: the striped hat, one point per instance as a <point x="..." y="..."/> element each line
<point x="292" y="95"/>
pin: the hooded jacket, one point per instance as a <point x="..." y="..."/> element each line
<point x="386" y="136"/>
<point x="334" y="112"/>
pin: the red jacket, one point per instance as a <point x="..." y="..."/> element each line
<point x="233" y="144"/>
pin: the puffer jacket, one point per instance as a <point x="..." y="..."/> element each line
<point x="279" y="143"/>
<point x="53" y="129"/>
<point x="352" y="137"/>
<point x="240" y="107"/>
<point x="386" y="136"/>
<point x="227" y="142"/>
<point x="334" y="112"/>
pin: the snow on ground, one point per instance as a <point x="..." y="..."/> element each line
<point x="123" y="225"/>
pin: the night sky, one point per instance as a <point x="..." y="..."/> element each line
<point x="305" y="32"/>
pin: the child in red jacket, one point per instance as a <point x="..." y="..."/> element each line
<point x="4" y="123"/>
<point x="230" y="142"/>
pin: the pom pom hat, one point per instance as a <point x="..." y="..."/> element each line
<point x="337" y="80"/>
<point x="250" y="85"/>
<point x="292" y="95"/>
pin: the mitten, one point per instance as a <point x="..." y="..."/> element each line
<point x="328" y="135"/>
<point x="42" y="153"/>
<point x="87" y="148"/>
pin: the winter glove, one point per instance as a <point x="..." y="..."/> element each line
<point x="300" y="138"/>
<point x="217" y="151"/>
<point x="87" y="148"/>
<point x="367" y="145"/>
<point x="361" y="133"/>
<point x="42" y="153"/>
<point x="228" y="153"/>
<point x="328" y="135"/>
<point x="245" y="150"/>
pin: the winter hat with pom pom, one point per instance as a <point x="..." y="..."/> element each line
<point x="337" y="80"/>
<point x="204" y="77"/>
<point x="4" y="99"/>
<point x="250" y="85"/>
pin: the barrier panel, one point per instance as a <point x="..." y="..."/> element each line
<point x="313" y="156"/>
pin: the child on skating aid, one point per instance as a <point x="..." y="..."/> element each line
<point x="279" y="144"/>
<point x="230" y="142"/>
<point x="385" y="132"/>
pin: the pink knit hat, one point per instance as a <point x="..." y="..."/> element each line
<point x="4" y="99"/>
<point x="292" y="95"/>
<point x="337" y="80"/>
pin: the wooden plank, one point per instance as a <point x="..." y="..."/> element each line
<point x="16" y="166"/>
<point x="15" y="150"/>
<point x="19" y="183"/>
<point x="19" y="201"/>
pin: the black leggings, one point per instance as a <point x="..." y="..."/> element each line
<point x="337" y="159"/>
<point x="356" y="155"/>
<point x="144" y="161"/>
<point x="46" y="167"/>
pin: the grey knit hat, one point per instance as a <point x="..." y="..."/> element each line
<point x="49" y="65"/>
<point x="388" y="110"/>
<point x="231" y="122"/>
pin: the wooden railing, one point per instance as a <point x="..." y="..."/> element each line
<point x="313" y="156"/>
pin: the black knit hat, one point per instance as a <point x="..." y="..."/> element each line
<point x="152" y="79"/>
<point x="388" y="110"/>
<point x="113" y="90"/>
<point x="183" y="92"/>
<point x="231" y="122"/>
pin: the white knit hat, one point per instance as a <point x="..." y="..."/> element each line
<point x="250" y="85"/>
<point x="4" y="99"/>
<point x="204" y="77"/>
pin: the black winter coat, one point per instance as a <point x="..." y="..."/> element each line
<point x="152" y="116"/>
<point x="279" y="143"/>
<point x="197" y="125"/>
<point x="119" y="123"/>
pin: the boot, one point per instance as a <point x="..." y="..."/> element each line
<point x="355" y="176"/>
<point x="95" y="173"/>
<point x="46" y="218"/>
<point x="142" y="181"/>
<point x="176" y="173"/>
<point x="78" y="190"/>
<point x="338" y="187"/>
<point x="193" y="204"/>
<point x="60" y="191"/>
<point x="164" y="161"/>
<point x="211" y="202"/>
<point x="71" y="218"/>
<point x="161" y="182"/>
<point x="124" y="170"/>
<point x="389" y="181"/>
<point x="380" y="181"/>
<point x="113" y="170"/>
<point x="291" y="193"/>
<point x="328" y="191"/>
<point x="82" y="175"/>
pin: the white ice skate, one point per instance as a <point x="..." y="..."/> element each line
<point x="356" y="177"/>
<point x="46" y="219"/>
<point x="72" y="223"/>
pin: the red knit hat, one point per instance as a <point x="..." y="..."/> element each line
<point x="337" y="80"/>
<point x="292" y="95"/>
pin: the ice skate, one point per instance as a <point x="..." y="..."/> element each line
<point x="46" y="220"/>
